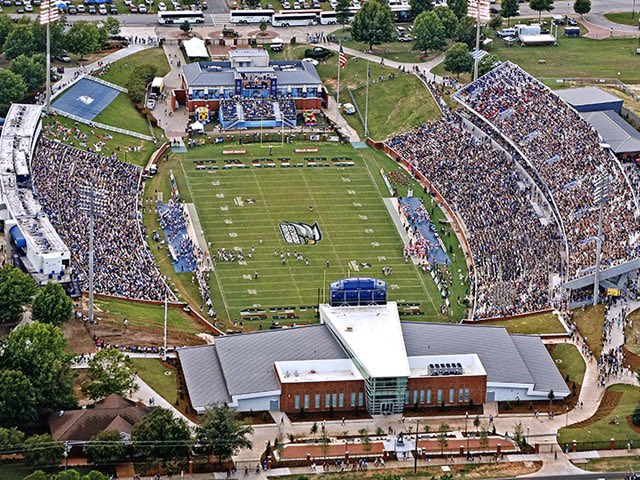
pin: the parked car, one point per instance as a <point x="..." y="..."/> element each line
<point x="81" y="8"/>
<point x="162" y="7"/>
<point x="506" y="32"/>
<point x="7" y="3"/>
<point x="20" y="10"/>
<point x="63" y="57"/>
<point x="113" y="10"/>
<point x="28" y="8"/>
<point x="177" y="7"/>
<point x="142" y="8"/>
<point x="92" y="10"/>
<point x="405" y="38"/>
<point x="102" y="10"/>
<point x="133" y="8"/>
<point x="72" y="10"/>
<point x="312" y="61"/>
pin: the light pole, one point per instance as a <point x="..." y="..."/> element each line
<point x="415" y="455"/>
<point x="601" y="198"/>
<point x="466" y="432"/>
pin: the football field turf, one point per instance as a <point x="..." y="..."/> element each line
<point x="245" y="207"/>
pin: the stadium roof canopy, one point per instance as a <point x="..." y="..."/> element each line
<point x="590" y="99"/>
<point x="615" y="131"/>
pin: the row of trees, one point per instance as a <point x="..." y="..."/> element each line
<point x="24" y="44"/>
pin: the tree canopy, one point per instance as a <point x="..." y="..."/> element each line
<point x="32" y="69"/>
<point x="16" y="288"/>
<point x="10" y="438"/>
<point x="448" y="19"/>
<point x="43" y="451"/>
<point x="106" y="448"/>
<point x="110" y="371"/>
<point x="17" y="399"/>
<point x="466" y="31"/>
<point x="38" y="350"/>
<point x="20" y="41"/>
<point x="458" y="59"/>
<point x="373" y="24"/>
<point x="541" y="6"/>
<point x="83" y="38"/>
<point x="428" y="32"/>
<point x="342" y="11"/>
<point x="582" y="7"/>
<point x="459" y="7"/>
<point x="485" y="65"/>
<point x="419" y="6"/>
<point x="52" y="305"/>
<point x="159" y="437"/>
<point x="508" y="9"/>
<point x="221" y="433"/>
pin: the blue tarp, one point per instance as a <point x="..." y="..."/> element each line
<point x="18" y="237"/>
<point x="86" y="99"/>
<point x="426" y="228"/>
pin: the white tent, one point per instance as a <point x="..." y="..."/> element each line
<point x="197" y="126"/>
<point x="195" y="48"/>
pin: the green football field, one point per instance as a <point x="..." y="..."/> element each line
<point x="244" y="208"/>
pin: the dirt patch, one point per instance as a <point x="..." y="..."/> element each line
<point x="632" y="426"/>
<point x="609" y="403"/>
<point x="542" y="406"/>
<point x="256" y="418"/>
<point x="448" y="411"/>
<point x="320" y="416"/>
<point x="631" y="359"/>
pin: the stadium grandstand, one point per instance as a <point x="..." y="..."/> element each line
<point x="250" y="91"/>
<point x="564" y="154"/>
<point x="30" y="238"/>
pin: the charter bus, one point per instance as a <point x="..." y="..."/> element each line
<point x="295" y="18"/>
<point x="328" y="17"/>
<point x="250" y="16"/>
<point x="168" y="18"/>
<point x="401" y="12"/>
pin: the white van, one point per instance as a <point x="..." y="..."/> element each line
<point x="348" y="108"/>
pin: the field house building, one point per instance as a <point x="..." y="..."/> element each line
<point x="363" y="357"/>
<point x="249" y="74"/>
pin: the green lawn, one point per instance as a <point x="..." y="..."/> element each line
<point x="389" y="110"/>
<point x="238" y="207"/>
<point x="154" y="374"/>
<point x="624" y="18"/>
<point x="612" y="464"/>
<point x="123" y="114"/>
<point x="127" y="148"/>
<point x="569" y="361"/>
<point x="142" y="315"/>
<point x="120" y="70"/>
<point x="533" y="324"/>
<point x="590" y="324"/>
<point x="633" y="334"/>
<point x="604" y="428"/>
<point x="577" y="57"/>
<point x="398" y="51"/>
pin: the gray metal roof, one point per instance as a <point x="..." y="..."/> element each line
<point x="614" y="130"/>
<point x="203" y="376"/>
<point x="498" y="354"/>
<point x="586" y="96"/>
<point x="197" y="75"/>
<point x="540" y="364"/>
<point x="247" y="359"/>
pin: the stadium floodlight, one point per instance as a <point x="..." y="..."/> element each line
<point x="602" y="196"/>
<point x="48" y="13"/>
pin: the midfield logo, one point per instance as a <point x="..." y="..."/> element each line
<point x="300" y="233"/>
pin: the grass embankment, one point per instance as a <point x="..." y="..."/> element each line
<point x="618" y="403"/>
<point x="569" y="362"/>
<point x="624" y="18"/>
<point x="146" y="315"/>
<point x="161" y="378"/>
<point x="590" y="323"/>
<point x="122" y="113"/>
<point x="542" y="323"/>
<point x="120" y="70"/>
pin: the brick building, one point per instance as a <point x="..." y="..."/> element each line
<point x="363" y="357"/>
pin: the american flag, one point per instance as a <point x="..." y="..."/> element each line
<point x="342" y="58"/>
<point x="48" y="12"/>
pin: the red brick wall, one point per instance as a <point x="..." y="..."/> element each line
<point x="477" y="386"/>
<point x="290" y="390"/>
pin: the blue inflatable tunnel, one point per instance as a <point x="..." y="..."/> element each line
<point x="18" y="237"/>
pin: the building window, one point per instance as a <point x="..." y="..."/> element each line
<point x="297" y="402"/>
<point x="452" y="395"/>
<point x="406" y="397"/>
<point x="334" y="400"/>
<point x="429" y="396"/>
<point x="421" y="396"/>
<point x="461" y="395"/>
<point x="353" y="399"/>
<point x="466" y="395"/>
<point x="341" y="400"/>
<point x="361" y="399"/>
<point x="327" y="402"/>
<point x="415" y="397"/>
<point x="439" y="395"/>
<point x="306" y="401"/>
<point x="317" y="400"/>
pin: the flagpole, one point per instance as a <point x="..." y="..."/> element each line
<point x="476" y="60"/>
<point x="366" y="104"/>
<point x="339" y="68"/>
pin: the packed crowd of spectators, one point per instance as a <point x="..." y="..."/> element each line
<point x="418" y="246"/>
<point x="173" y="222"/>
<point x="565" y="154"/>
<point x="513" y="251"/>
<point x="256" y="109"/>
<point x="64" y="178"/>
